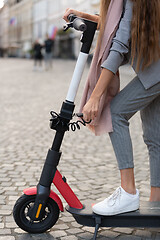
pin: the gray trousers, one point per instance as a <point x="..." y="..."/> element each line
<point x="128" y="101"/>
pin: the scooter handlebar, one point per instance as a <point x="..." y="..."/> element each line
<point x="78" y="23"/>
<point x="80" y="115"/>
<point x="71" y="17"/>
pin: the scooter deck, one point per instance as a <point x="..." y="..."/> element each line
<point x="148" y="215"/>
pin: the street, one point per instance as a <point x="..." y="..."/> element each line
<point x="88" y="162"/>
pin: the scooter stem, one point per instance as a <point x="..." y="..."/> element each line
<point x="86" y="39"/>
<point x="77" y="75"/>
<point x="61" y="126"/>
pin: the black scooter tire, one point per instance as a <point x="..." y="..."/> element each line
<point x="22" y="207"/>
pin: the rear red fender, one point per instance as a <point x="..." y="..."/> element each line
<point x="53" y="195"/>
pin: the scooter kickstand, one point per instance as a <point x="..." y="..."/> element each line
<point x="98" y="222"/>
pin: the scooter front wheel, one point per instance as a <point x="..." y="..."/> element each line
<point x="21" y="214"/>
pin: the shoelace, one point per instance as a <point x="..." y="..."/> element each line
<point x="113" y="198"/>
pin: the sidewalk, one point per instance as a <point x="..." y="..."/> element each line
<point x="88" y="162"/>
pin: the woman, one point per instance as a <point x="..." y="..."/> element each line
<point x="137" y="41"/>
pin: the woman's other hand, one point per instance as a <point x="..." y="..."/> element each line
<point x="71" y="11"/>
<point x="90" y="110"/>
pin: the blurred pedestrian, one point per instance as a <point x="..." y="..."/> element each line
<point x="38" y="57"/>
<point x="48" y="45"/>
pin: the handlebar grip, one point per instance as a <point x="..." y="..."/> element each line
<point x="71" y="17"/>
<point x="80" y="115"/>
<point x="78" y="23"/>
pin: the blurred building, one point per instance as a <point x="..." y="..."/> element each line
<point x="4" y="30"/>
<point x="40" y="19"/>
<point x="24" y="21"/>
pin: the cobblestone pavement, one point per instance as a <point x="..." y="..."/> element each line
<point x="88" y="162"/>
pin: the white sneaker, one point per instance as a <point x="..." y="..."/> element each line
<point x="119" y="202"/>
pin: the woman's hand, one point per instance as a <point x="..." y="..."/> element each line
<point x="79" y="14"/>
<point x="90" y="110"/>
<point x="71" y="11"/>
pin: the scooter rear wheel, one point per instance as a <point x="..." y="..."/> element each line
<point x="23" y="220"/>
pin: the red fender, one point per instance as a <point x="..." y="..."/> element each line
<point x="53" y="195"/>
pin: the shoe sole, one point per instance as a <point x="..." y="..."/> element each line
<point x="117" y="212"/>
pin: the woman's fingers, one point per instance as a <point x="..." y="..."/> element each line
<point x="90" y="112"/>
<point x="71" y="11"/>
<point x="86" y="115"/>
<point x="93" y="114"/>
<point x="67" y="12"/>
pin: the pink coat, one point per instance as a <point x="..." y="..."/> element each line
<point x="103" y="123"/>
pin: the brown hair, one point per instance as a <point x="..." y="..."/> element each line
<point x="145" y="30"/>
<point x="104" y="4"/>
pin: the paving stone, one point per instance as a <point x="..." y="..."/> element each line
<point x="129" y="237"/>
<point x="19" y="231"/>
<point x="24" y="237"/>
<point x="74" y="231"/>
<point x="69" y="238"/>
<point x="12" y="198"/>
<point x="11" y="193"/>
<point x="1" y="225"/>
<point x="103" y="238"/>
<point x="5" y="231"/>
<point x="9" y="189"/>
<point x="6" y="184"/>
<point x="5" y="212"/>
<point x="5" y="179"/>
<point x="11" y="225"/>
<point x="67" y="219"/>
<point x="1" y="191"/>
<point x="143" y="233"/>
<point x="57" y="234"/>
<point x="87" y="236"/>
<point x="88" y="162"/>
<point x="7" y="237"/>
<point x="124" y="230"/>
<point x="20" y="184"/>
<point x="39" y="236"/>
<point x="62" y="226"/>
<point x="75" y="224"/>
<point x="89" y="229"/>
<point x="109" y="234"/>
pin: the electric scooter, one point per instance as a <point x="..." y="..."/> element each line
<point x="37" y="210"/>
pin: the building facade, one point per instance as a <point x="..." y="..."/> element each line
<point x="40" y="19"/>
<point x="4" y="30"/>
<point x="22" y="22"/>
<point x="20" y="27"/>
